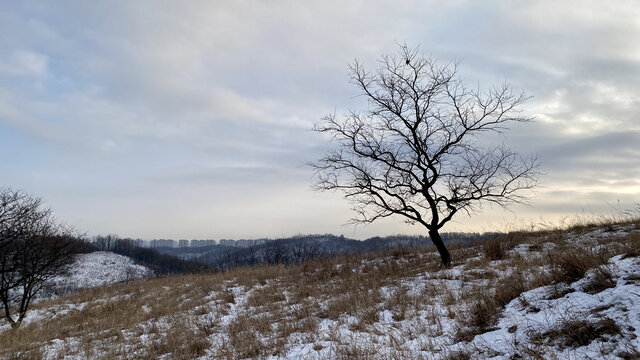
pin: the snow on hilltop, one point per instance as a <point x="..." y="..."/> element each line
<point x="97" y="269"/>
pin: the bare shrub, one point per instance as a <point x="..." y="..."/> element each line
<point x="493" y="249"/>
<point x="369" y="317"/>
<point x="266" y="295"/>
<point x="574" y="333"/>
<point x="485" y="305"/>
<point x="353" y="303"/>
<point x="569" y="264"/>
<point x="632" y="244"/>
<point x="356" y="351"/>
<point x="398" y="303"/>
<point x="509" y="288"/>
<point x="243" y="341"/>
<point x="601" y="280"/>
<point x="227" y="296"/>
<point x="458" y="355"/>
<point x="629" y="353"/>
<point x="180" y="341"/>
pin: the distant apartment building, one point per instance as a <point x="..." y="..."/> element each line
<point x="183" y="243"/>
<point x="226" y="242"/>
<point x="163" y="243"/>
<point x="201" y="243"/>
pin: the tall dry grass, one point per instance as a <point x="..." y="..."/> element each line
<point x="255" y="312"/>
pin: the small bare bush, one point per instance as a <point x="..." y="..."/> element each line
<point x="494" y="249"/>
<point x="354" y="303"/>
<point x="632" y="242"/>
<point x="267" y="295"/>
<point x="484" y="306"/>
<point x="227" y="296"/>
<point x="243" y="340"/>
<point x="509" y="288"/>
<point x="601" y="280"/>
<point x="571" y="263"/>
<point x="180" y="342"/>
<point x="357" y="351"/>
<point x="574" y="333"/>
<point x="458" y="355"/>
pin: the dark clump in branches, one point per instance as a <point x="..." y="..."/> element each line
<point x="417" y="151"/>
<point x="34" y="247"/>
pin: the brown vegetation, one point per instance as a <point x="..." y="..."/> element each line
<point x="256" y="312"/>
<point x="578" y="332"/>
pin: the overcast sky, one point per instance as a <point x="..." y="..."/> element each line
<point x="192" y="119"/>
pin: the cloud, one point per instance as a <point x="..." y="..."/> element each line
<point x="24" y="63"/>
<point x="148" y="98"/>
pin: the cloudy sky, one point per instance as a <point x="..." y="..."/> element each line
<point x="193" y="119"/>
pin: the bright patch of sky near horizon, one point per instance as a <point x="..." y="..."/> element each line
<point x="192" y="119"/>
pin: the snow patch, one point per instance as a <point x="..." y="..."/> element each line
<point x="97" y="269"/>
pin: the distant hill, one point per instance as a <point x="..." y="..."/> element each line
<point x="96" y="269"/>
<point x="297" y="249"/>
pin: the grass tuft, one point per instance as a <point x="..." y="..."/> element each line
<point x="574" y="333"/>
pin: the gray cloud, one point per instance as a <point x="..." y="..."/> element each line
<point x="154" y="106"/>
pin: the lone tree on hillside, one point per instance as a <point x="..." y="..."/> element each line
<point x="417" y="150"/>
<point x="33" y="249"/>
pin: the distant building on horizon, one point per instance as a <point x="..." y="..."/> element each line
<point x="201" y="243"/>
<point x="163" y="243"/>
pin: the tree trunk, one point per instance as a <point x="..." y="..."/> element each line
<point x="444" y="253"/>
<point x="7" y="315"/>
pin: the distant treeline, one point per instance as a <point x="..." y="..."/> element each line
<point x="156" y="243"/>
<point x="235" y="253"/>
<point x="160" y="263"/>
<point x="245" y="243"/>
<point x="298" y="249"/>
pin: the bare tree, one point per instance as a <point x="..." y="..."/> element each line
<point x="417" y="150"/>
<point x="303" y="250"/>
<point x="33" y="249"/>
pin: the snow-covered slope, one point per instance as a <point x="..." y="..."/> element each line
<point x="97" y="269"/>
<point x="538" y="323"/>
<point x="389" y="306"/>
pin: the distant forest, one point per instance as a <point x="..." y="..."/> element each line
<point x="171" y="257"/>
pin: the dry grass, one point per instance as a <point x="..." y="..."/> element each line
<point x="265" y="307"/>
<point x="484" y="306"/>
<point x="578" y="332"/>
<point x="277" y="306"/>
<point x="631" y="246"/>
<point x="570" y="263"/>
<point x="601" y="280"/>
<point x="494" y="249"/>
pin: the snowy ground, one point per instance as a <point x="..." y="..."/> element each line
<point x="534" y="314"/>
<point x="90" y="270"/>
<point x="390" y="307"/>
<point x="98" y="269"/>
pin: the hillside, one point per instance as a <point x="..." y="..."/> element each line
<point x="571" y="294"/>
<point x="294" y="250"/>
<point x="96" y="269"/>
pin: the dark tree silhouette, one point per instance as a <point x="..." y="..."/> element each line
<point x="33" y="249"/>
<point x="417" y="150"/>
